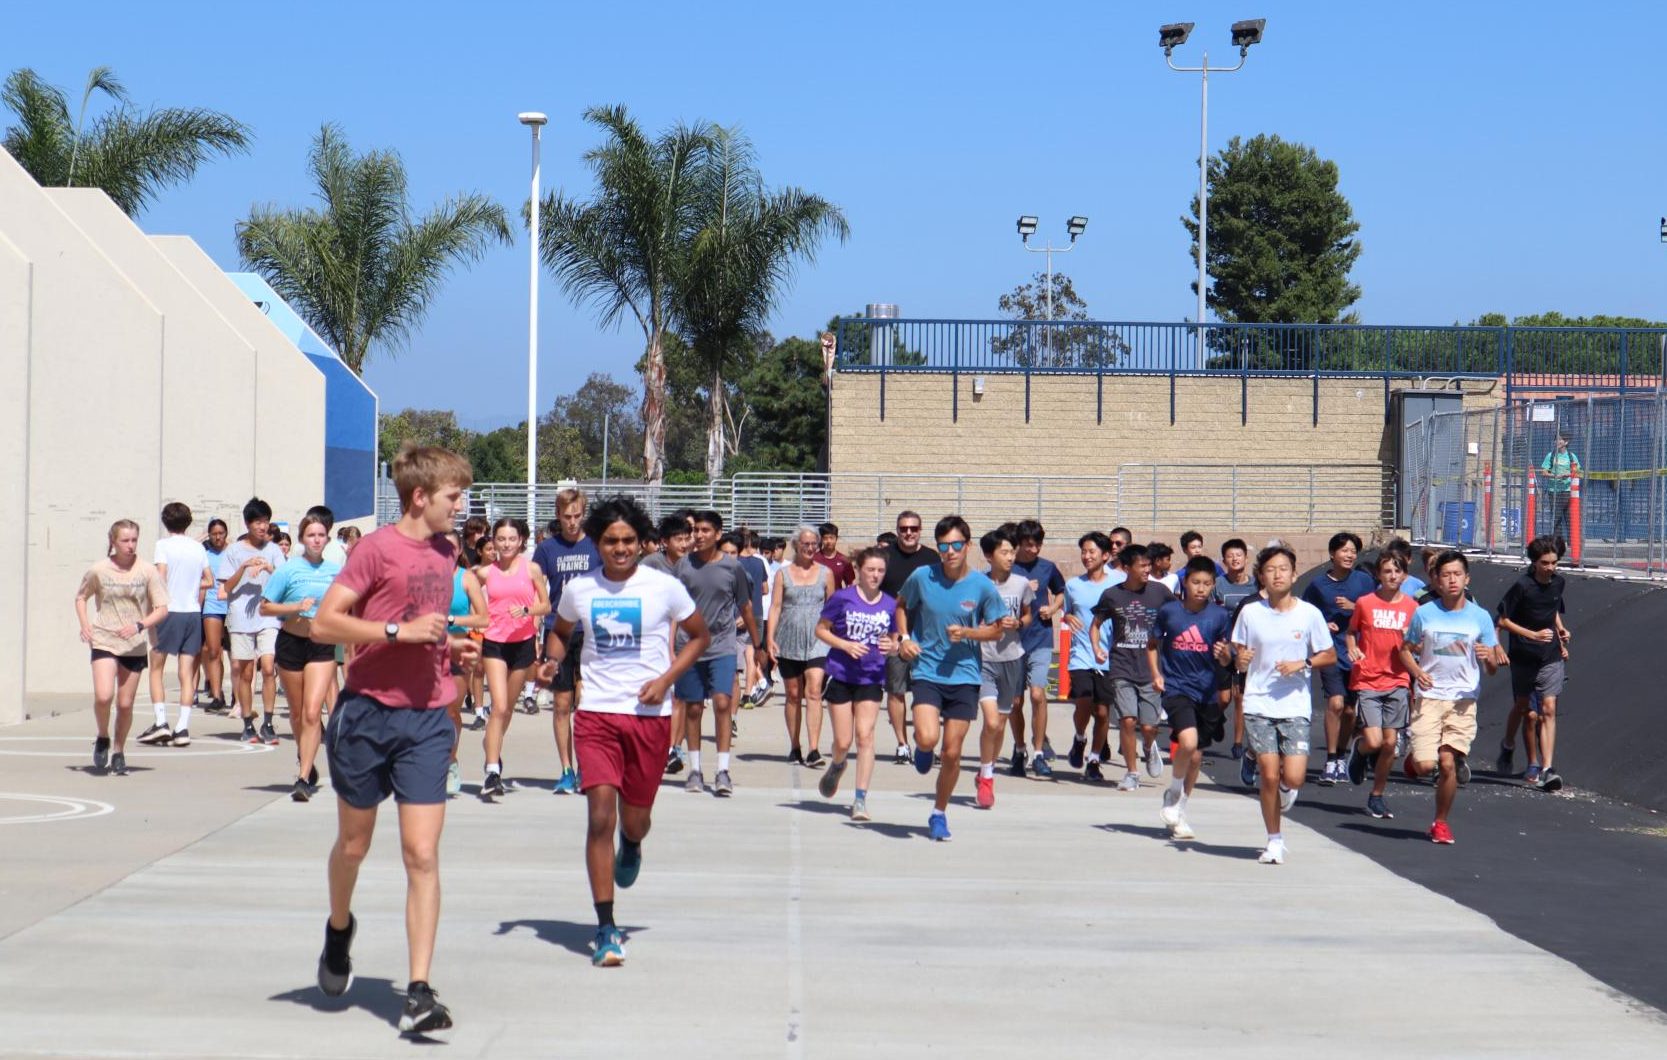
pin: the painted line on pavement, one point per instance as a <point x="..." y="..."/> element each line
<point x="73" y="809"/>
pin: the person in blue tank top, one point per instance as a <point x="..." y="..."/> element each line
<point x="466" y="615"/>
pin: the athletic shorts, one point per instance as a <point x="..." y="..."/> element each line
<point x="1285" y="737"/>
<point x="898" y="677"/>
<point x="1136" y="701"/>
<point x="567" y="672"/>
<point x="133" y="664"/>
<point x="1531" y="676"/>
<point x="840" y="692"/>
<point x="795" y="668"/>
<point x="1091" y="684"/>
<point x="181" y="633"/>
<point x="1036" y="663"/>
<point x="622" y="751"/>
<point x="515" y="654"/>
<point x="954" y="702"/>
<point x="247" y="647"/>
<point x="1002" y="681"/>
<point x="1382" y="710"/>
<point x="1207" y="718"/>
<point x="294" y="653"/>
<point x="376" y="751"/>
<point x="1334" y="681"/>
<point x="705" y="679"/>
<point x="1438" y="723"/>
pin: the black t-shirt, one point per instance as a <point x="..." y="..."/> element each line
<point x="900" y="564"/>
<point x="1533" y="606"/>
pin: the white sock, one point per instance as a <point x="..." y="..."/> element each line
<point x="1094" y="756"/>
<point x="723" y="761"/>
<point x="184" y="716"/>
<point x="491" y="767"/>
<point x="1181" y="803"/>
<point x="1178" y="786"/>
<point x="986" y="770"/>
<point x="694" y="761"/>
<point x="161" y="713"/>
<point x="1276" y="837"/>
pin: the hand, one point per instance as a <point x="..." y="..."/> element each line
<point x="1502" y="659"/>
<point x="129" y="631"/>
<point x="1223" y="652"/>
<point x="1333" y="627"/>
<point x="1008" y="624"/>
<point x="1046" y="612"/>
<point x="1099" y="653"/>
<point x="307" y="605"/>
<point x="466" y="653"/>
<point x="1424" y="680"/>
<point x="1355" y="654"/>
<point x="1075" y="624"/>
<point x="1035" y="586"/>
<point x="956" y="634"/>
<point x="1542" y="636"/>
<point x="546" y="671"/>
<point x="1291" y="667"/>
<point x="1245" y="657"/>
<point x="1565" y="635"/>
<point x="909" y="651"/>
<point x="773" y="651"/>
<point x="1157" y="683"/>
<point x="888" y="644"/>
<point x="254" y="563"/>
<point x="1344" y="604"/>
<point x="653" y="693"/>
<point x="427" y="629"/>
<point x="86" y="634"/>
<point x="856" y="649"/>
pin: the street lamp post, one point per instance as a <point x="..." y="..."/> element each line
<point x="1027" y="228"/>
<point x="536" y="122"/>
<point x="1170" y="37"/>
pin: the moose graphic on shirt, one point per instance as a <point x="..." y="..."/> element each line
<point x="617" y="625"/>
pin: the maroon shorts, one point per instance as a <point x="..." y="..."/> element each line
<point x="624" y="751"/>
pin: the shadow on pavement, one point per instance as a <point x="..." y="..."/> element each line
<point x="1386" y="831"/>
<point x="91" y="772"/>
<point x="1213" y="849"/>
<point x="892" y="831"/>
<point x="379" y="997"/>
<point x="575" y="938"/>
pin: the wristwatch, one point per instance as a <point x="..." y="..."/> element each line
<point x="391" y="630"/>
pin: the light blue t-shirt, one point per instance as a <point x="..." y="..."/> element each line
<point x="297" y="579"/>
<point x="1446" y="642"/>
<point x="934" y="603"/>
<point x="1081" y="595"/>
<point x="213" y="606"/>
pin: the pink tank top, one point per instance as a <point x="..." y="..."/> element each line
<point x="506" y="591"/>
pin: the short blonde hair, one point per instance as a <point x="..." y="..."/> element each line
<point x="428" y="468"/>
<point x="570" y="496"/>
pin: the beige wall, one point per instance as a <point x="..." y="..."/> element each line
<point x="288" y="407"/>
<point x="15" y="271"/>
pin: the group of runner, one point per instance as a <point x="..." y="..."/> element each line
<point x="662" y="622"/>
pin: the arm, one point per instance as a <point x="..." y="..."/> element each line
<point x="81" y="597"/>
<point x="477" y="617"/>
<point x="272" y="610"/>
<point x="908" y="648"/>
<point x="775" y="614"/>
<point x="1409" y="659"/>
<point x="693" y="627"/>
<point x="1094" y="639"/>
<point x="204" y="586"/>
<point x="335" y="624"/>
<point x="1153" y="666"/>
<point x="541" y="586"/>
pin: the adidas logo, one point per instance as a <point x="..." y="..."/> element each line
<point x="1190" y="641"/>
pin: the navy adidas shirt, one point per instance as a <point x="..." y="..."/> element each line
<point x="1186" y="641"/>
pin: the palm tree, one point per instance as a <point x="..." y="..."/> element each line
<point x="359" y="269"/>
<point x="130" y="155"/>
<point x="737" y="265"/>
<point x="620" y="251"/>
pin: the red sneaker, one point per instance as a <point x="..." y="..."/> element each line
<point x="1440" y="833"/>
<point x="987" y="793"/>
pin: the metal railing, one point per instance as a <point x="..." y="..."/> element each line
<point x="1618" y="359"/>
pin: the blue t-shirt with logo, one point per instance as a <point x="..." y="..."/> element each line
<point x="1446" y="643"/>
<point x="1046" y="582"/>
<point x="934" y="603"/>
<point x="1186" y="648"/>
<point x="562" y="561"/>
<point x="1081" y="594"/>
<point x="297" y="580"/>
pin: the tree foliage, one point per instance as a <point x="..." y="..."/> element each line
<point x="359" y="267"/>
<point x="1058" y="341"/>
<point x="132" y="155"/>
<point x="787" y="411"/>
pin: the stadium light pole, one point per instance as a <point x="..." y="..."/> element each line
<point x="536" y="122"/>
<point x="1027" y="228"/>
<point x="1170" y="37"/>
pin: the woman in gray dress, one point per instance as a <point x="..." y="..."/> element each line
<point x="796" y="600"/>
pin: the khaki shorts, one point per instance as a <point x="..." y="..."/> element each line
<point x="1438" y="723"/>
<point x="250" y="646"/>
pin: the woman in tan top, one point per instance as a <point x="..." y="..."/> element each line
<point x="131" y="598"/>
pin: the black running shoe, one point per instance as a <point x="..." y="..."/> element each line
<point x="814" y="759"/>
<point x="494" y="786"/>
<point x="101" y="753"/>
<point x="1091" y="771"/>
<point x="1017" y="769"/>
<point x="268" y="735"/>
<point x="423" y="1011"/>
<point x="249" y="733"/>
<point x="118" y="766"/>
<point x="156" y="734"/>
<point x="312" y="778"/>
<point x="478" y="724"/>
<point x="335" y="964"/>
<point x="217" y="706"/>
<point x="674" y="763"/>
<point x="795" y="757"/>
<point x="302" y="790"/>
<point x="182" y="738"/>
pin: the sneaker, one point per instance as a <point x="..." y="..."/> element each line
<point x="1531" y="775"/>
<point x="1356" y="766"/>
<point x="1463" y="769"/>
<point x="312" y="778"/>
<point x="696" y="784"/>
<point x="721" y="786"/>
<point x="546" y="699"/>
<point x="1550" y="780"/>
<point x="829" y="784"/>
<point x="268" y="735"/>
<point x="1105" y="752"/>
<point x="1247" y="771"/>
<point x="1092" y="771"/>
<point x="627" y="863"/>
<point x="1505" y="764"/>
<point x="1237" y="750"/>
<point x="300" y="792"/>
<point x="1079" y="744"/>
<point x="1274" y="854"/>
<point x="938" y="826"/>
<point x="493" y="786"/>
<point x="218" y="706"/>
<point x="335" y="964"/>
<point x="101" y="753"/>
<point x="454" y="779"/>
<point x="568" y="784"/>
<point x="1440" y="833"/>
<point x="859" y="809"/>
<point x="249" y="734"/>
<point x="1017" y="767"/>
<point x="1170" y="814"/>
<point x="118" y="766"/>
<point x="423" y="1011"/>
<point x="609" y="948"/>
<point x="795" y="757"/>
<point x="1039" y="767"/>
<point x="923" y="760"/>
<point x="1378" y="808"/>
<point x="157" y="734"/>
<point x="1047" y="750"/>
<point x="986" y="792"/>
<point x="1182" y="829"/>
<point x="814" y="759"/>
<point x="1154" y="759"/>
<point x="902" y="756"/>
<point x="1130" y="782"/>
<point x="478" y="724"/>
<point x="1328" y="775"/>
<point x="182" y="738"/>
<point x="734" y="728"/>
<point x="674" y="763"/>
<point x="529" y="704"/>
<point x="1287" y="798"/>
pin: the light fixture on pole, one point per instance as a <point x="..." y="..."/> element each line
<point x="1170" y="37"/>
<point x="536" y="122"/>
<point x="1075" y="227"/>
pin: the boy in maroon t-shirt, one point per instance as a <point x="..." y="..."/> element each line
<point x="390" y="732"/>
<point x="1377" y="629"/>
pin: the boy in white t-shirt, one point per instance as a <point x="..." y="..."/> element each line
<point x="183" y="563"/>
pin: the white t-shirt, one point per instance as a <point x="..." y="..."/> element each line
<point x="335" y="552"/>
<point x="628" y="636"/>
<point x="186" y="559"/>
<point x="1171" y="581"/>
<point x="1276" y="637"/>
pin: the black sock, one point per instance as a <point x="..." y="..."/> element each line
<point x="267" y="718"/>
<point x="628" y="845"/>
<point x="604" y="914"/>
<point x="416" y="983"/>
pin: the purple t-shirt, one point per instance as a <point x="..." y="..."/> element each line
<point x="855" y="619"/>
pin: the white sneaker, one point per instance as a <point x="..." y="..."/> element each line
<point x="1287" y="798"/>
<point x="1130" y="782"/>
<point x="1154" y="759"/>
<point x="1274" y="854"/>
<point x="1182" y="829"/>
<point x="1170" y="815"/>
<point x="546" y="699"/>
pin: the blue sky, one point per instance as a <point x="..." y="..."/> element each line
<point x="1499" y="156"/>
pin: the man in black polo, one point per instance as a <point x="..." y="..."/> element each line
<point x="902" y="560"/>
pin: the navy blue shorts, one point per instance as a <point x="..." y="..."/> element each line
<point x="707" y="678"/>
<point x="954" y="702"/>
<point x="376" y="751"/>
<point x="1334" y="681"/>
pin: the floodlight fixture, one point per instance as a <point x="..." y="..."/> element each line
<point x="1076" y="226"/>
<point x="1173" y="35"/>
<point x="1664" y="229"/>
<point x="1247" y="33"/>
<point x="1027" y="227"/>
<point x="532" y="117"/>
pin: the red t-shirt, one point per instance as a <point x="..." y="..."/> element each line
<point x="844" y="574"/>
<point x="398" y="579"/>
<point x="1379" y="630"/>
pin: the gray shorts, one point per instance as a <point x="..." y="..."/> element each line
<point x="1382" y="710"/>
<point x="1529" y="678"/>
<point x="1285" y="737"/>
<point x="180" y="633"/>
<point x="1002" y="681"/>
<point x="1141" y="702"/>
<point x="897" y="676"/>
<point x="1036" y="665"/>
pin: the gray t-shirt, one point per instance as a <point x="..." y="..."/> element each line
<point x="1016" y="594"/>
<point x="720" y="589"/>
<point x="243" y="605"/>
<point x="658" y="561"/>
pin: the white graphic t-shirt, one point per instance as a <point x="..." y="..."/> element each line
<point x="628" y="636"/>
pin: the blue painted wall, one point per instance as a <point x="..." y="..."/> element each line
<point x="350" y="408"/>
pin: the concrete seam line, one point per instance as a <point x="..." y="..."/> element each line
<point x="795" y="930"/>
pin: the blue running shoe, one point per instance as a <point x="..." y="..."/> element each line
<point x="610" y="948"/>
<point x="923" y="760"/>
<point x="568" y="784"/>
<point x="1377" y="807"/>
<point x="1247" y="771"/>
<point x="1039" y="767"/>
<point x="627" y="863"/>
<point x="938" y="825"/>
<point x="1079" y="744"/>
